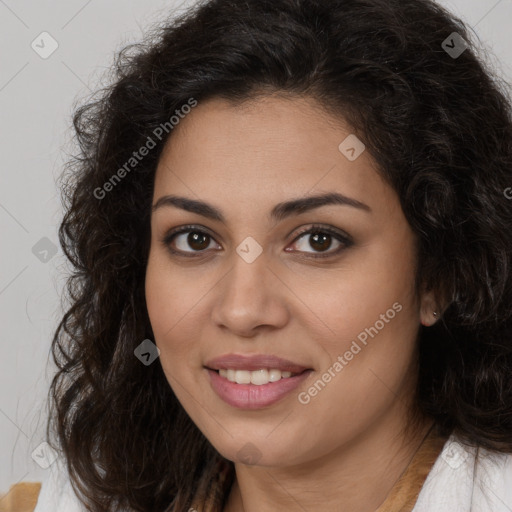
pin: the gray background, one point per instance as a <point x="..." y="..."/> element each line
<point x="36" y="101"/>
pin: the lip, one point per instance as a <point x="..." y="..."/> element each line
<point x="254" y="362"/>
<point x="251" y="396"/>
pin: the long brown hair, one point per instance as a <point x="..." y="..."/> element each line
<point x="438" y="125"/>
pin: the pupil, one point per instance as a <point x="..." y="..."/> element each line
<point x="198" y="241"/>
<point x="322" y="240"/>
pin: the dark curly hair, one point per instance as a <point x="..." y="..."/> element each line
<point x="439" y="127"/>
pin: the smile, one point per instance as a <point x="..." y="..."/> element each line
<point x="236" y="387"/>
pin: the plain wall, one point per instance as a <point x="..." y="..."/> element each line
<point x="36" y="102"/>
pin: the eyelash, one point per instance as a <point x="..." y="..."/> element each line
<point x="345" y="240"/>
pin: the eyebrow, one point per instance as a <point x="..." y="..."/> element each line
<point x="279" y="212"/>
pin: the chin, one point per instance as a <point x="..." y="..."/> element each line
<point x="251" y="452"/>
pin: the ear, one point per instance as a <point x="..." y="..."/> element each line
<point x="428" y="306"/>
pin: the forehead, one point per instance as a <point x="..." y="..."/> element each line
<point x="263" y="151"/>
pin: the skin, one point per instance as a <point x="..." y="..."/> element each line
<point x="344" y="449"/>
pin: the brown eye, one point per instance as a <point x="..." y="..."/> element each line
<point x="198" y="241"/>
<point x="321" y="239"/>
<point x="187" y="240"/>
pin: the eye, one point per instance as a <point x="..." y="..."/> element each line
<point x="321" y="240"/>
<point x="188" y="237"/>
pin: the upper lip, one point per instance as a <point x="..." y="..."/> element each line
<point x="254" y="362"/>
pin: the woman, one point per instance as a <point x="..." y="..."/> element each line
<point x="292" y="249"/>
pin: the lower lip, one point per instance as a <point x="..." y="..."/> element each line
<point x="250" y="396"/>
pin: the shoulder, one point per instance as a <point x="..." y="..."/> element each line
<point x="57" y="494"/>
<point x="466" y="478"/>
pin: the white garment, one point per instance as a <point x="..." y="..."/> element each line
<point x="465" y="479"/>
<point x="56" y="494"/>
<point x="456" y="483"/>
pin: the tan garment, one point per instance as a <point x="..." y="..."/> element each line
<point x="404" y="494"/>
<point x="21" y="497"/>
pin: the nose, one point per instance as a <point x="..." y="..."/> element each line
<point x="250" y="297"/>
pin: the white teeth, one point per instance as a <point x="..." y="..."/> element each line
<point x="242" y="377"/>
<point x="257" y="377"/>
<point x="274" y="375"/>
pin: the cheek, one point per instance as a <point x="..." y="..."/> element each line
<point x="175" y="301"/>
<point x="368" y="369"/>
<point x="371" y="311"/>
<point x="359" y="296"/>
<point x="159" y="299"/>
<point x="165" y="308"/>
<point x="171" y="294"/>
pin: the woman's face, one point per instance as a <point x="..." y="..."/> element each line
<point x="247" y="282"/>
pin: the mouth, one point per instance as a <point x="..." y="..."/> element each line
<point x="254" y="381"/>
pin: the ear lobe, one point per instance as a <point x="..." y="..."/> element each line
<point x="428" y="307"/>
